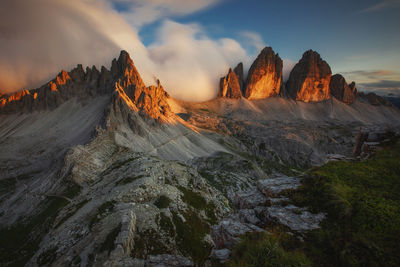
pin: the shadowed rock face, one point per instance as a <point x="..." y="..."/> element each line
<point x="341" y="90"/>
<point x="230" y="86"/>
<point x="375" y="99"/>
<point x="309" y="79"/>
<point x="123" y="80"/>
<point x="265" y="75"/>
<point x="239" y="72"/>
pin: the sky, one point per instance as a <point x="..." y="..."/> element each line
<point x="190" y="44"/>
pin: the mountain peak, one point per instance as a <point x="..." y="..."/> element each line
<point x="309" y="79"/>
<point x="230" y="85"/>
<point x="265" y="75"/>
<point x="123" y="77"/>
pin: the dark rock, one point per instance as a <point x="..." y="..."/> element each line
<point x="375" y="99"/>
<point x="240" y="74"/>
<point x="361" y="138"/>
<point x="309" y="79"/>
<point x="341" y="90"/>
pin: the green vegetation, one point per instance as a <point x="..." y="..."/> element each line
<point x="263" y="250"/>
<point x="162" y="202"/>
<point x="166" y="225"/>
<point x="71" y="212"/>
<point x="198" y="202"/>
<point x="190" y="236"/>
<point x="108" y="244"/>
<point x="148" y="242"/>
<point x="19" y="242"/>
<point x="118" y="164"/>
<point x="130" y="179"/>
<point x="362" y="203"/>
<point x="106" y="207"/>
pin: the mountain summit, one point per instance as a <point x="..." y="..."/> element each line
<point x="123" y="81"/>
<point x="309" y="79"/>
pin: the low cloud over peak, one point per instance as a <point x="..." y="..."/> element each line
<point x="40" y="38"/>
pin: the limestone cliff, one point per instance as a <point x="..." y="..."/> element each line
<point x="122" y="80"/>
<point x="230" y="86"/>
<point x="341" y="90"/>
<point x="309" y="79"/>
<point x="265" y="76"/>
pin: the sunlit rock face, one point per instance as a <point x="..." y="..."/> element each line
<point x="341" y="90"/>
<point x="123" y="81"/>
<point x="265" y="76"/>
<point x="309" y="79"/>
<point x="230" y="86"/>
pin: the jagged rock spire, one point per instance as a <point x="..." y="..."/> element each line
<point x="309" y="79"/>
<point x="265" y="75"/>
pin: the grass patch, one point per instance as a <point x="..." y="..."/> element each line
<point x="362" y="203"/>
<point x="130" y="179"/>
<point x="190" y="236"/>
<point x="264" y="250"/>
<point x="198" y="202"/>
<point x="162" y="202"/>
<point x="147" y="243"/>
<point x="166" y="225"/>
<point x="118" y="165"/>
<point x="106" y="207"/>
<point x="21" y="241"/>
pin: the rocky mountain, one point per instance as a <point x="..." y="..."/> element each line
<point x="341" y="90"/>
<point x="96" y="168"/>
<point x="230" y="85"/>
<point x="240" y="74"/>
<point x="309" y="80"/>
<point x="265" y="76"/>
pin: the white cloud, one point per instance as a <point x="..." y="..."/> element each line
<point x="190" y="63"/>
<point x="40" y="38"/>
<point x="141" y="12"/>
<point x="253" y="39"/>
<point x="384" y="4"/>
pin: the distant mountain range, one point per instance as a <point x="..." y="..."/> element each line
<point x="98" y="168"/>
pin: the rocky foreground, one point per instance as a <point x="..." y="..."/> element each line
<point x="99" y="169"/>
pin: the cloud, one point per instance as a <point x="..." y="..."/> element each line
<point x="370" y="74"/>
<point x="189" y="62"/>
<point x="384" y="4"/>
<point x="383" y="84"/>
<point x="141" y="12"/>
<point x="253" y="40"/>
<point x="382" y="87"/>
<point x="39" y="38"/>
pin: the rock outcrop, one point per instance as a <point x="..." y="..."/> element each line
<point x="309" y="79"/>
<point x="375" y="99"/>
<point x="230" y="86"/>
<point x="240" y="74"/>
<point x="341" y="90"/>
<point x="123" y="80"/>
<point x="265" y="76"/>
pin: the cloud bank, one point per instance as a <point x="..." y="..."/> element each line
<point x="39" y="38"/>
